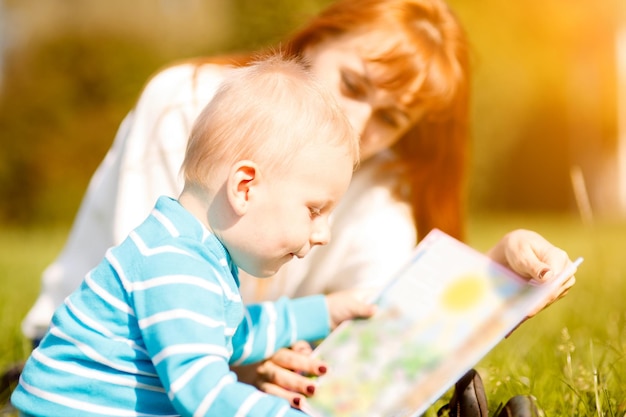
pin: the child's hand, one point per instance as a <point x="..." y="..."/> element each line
<point x="349" y="304"/>
<point x="287" y="373"/>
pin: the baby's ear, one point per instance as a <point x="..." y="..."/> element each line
<point x="242" y="177"/>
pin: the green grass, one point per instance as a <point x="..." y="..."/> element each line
<point x="24" y="253"/>
<point x="571" y="357"/>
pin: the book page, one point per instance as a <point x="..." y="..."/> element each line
<point x="437" y="318"/>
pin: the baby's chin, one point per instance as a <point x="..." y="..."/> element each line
<point x="271" y="270"/>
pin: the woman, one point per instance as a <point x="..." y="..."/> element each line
<point x="404" y="88"/>
<point x="399" y="68"/>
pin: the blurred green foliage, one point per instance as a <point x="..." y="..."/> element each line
<point x="61" y="102"/>
<point x="543" y="97"/>
<point x="262" y="22"/>
<point x="64" y="96"/>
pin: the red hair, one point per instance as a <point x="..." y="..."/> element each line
<point x="431" y="58"/>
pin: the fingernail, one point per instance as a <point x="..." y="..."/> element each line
<point x="322" y="369"/>
<point x="310" y="389"/>
<point x="543" y="272"/>
<point x="296" y="401"/>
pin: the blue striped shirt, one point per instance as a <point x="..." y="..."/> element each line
<point x="153" y="329"/>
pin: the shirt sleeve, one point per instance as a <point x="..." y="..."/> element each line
<point x="270" y="326"/>
<point x="187" y="321"/>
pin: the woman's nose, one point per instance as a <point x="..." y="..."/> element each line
<point x="358" y="113"/>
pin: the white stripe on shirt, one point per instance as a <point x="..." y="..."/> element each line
<point x="92" y="354"/>
<point x="210" y="398"/>
<point x="117" y="267"/>
<point x="247" y="348"/>
<point x="108" y="297"/>
<point x="176" y="280"/>
<point x="270" y="347"/>
<point x="167" y="223"/>
<point x="91" y="408"/>
<point x="95" y="325"/>
<point x="146" y="251"/>
<point x="248" y="404"/>
<point x="191" y="348"/>
<point x="182" y="380"/>
<point x="180" y="313"/>
<point x="94" y="374"/>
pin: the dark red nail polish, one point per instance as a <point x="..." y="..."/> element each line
<point x="296" y="401"/>
<point x="322" y="369"/>
<point x="310" y="389"/>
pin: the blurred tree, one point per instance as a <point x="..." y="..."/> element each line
<point x="61" y="104"/>
<point x="543" y="90"/>
<point x="543" y="98"/>
<point x="68" y="89"/>
<point x="261" y="23"/>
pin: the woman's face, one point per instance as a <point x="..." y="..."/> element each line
<point x="374" y="112"/>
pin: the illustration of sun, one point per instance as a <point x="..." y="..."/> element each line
<point x="465" y="293"/>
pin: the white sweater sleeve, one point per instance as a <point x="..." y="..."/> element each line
<point x="142" y="164"/>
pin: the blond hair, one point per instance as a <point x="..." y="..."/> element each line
<point x="266" y="112"/>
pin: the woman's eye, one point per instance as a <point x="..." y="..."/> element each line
<point x="388" y="119"/>
<point x="350" y="85"/>
<point x="315" y="212"/>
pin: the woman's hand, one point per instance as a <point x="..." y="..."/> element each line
<point x="530" y="255"/>
<point x="287" y="373"/>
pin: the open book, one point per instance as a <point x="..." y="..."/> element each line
<point x="443" y="311"/>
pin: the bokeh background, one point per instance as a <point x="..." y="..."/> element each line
<point x="548" y="117"/>
<point x="546" y="93"/>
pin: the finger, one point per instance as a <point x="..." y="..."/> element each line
<point x="530" y="255"/>
<point x="302" y="347"/>
<point x="563" y="289"/>
<point x="346" y="305"/>
<point x="296" y="400"/>
<point x="523" y="260"/>
<point x="558" y="294"/>
<point x="554" y="260"/>
<point x="515" y="250"/>
<point x="567" y="285"/>
<point x="299" y="362"/>
<point x="273" y="374"/>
